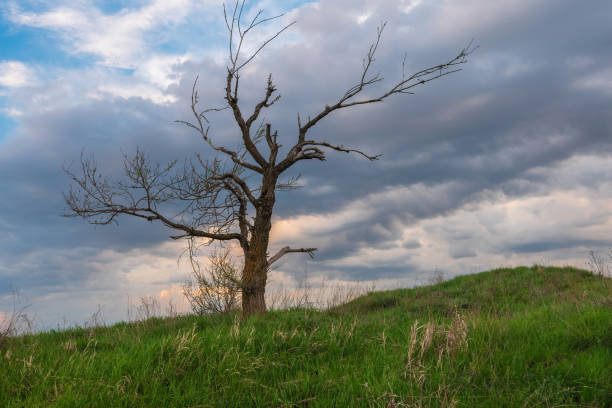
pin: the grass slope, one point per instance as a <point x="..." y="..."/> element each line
<point x="508" y="337"/>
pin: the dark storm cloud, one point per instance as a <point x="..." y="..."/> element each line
<point x="33" y="182"/>
<point x="543" y="246"/>
<point x="515" y="106"/>
<point x="365" y="273"/>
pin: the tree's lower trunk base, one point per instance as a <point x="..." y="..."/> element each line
<point x="253" y="302"/>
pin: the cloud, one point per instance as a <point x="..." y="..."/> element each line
<point x="457" y="17"/>
<point x="15" y="74"/>
<point x="88" y="277"/>
<point x="408" y="6"/>
<point x="12" y="112"/>
<point x="128" y="43"/>
<point x="410" y="228"/>
<point x="504" y="163"/>
<point x="159" y="69"/>
<point x="598" y="81"/>
<point x="118" y="39"/>
<point x="127" y="91"/>
<point x="529" y="226"/>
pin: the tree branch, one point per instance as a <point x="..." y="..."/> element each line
<point x="234" y="28"/>
<point x="403" y="86"/>
<point x="235" y="25"/>
<point x="243" y="222"/>
<point x="192" y="232"/>
<point x="266" y="102"/>
<point x="232" y="100"/>
<point x="203" y="130"/>
<point x="266" y="42"/>
<point x="341" y="149"/>
<point x="243" y="185"/>
<point x="146" y="188"/>
<point x="286" y="250"/>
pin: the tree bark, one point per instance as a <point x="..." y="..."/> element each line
<point x="254" y="278"/>
<point x="255" y="272"/>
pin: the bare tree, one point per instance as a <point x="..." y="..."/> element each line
<point x="232" y="197"/>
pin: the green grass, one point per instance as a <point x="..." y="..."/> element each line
<point x="523" y="337"/>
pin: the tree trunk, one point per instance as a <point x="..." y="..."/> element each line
<point x="255" y="272"/>
<point x="254" y="277"/>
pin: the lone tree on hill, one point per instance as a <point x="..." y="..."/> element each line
<point x="231" y="199"/>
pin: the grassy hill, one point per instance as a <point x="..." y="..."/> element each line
<point x="509" y="337"/>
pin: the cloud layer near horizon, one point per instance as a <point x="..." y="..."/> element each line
<point x="504" y="163"/>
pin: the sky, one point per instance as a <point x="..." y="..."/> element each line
<point x="505" y="163"/>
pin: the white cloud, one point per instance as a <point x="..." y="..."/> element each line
<point x="15" y="74"/>
<point x="407" y="6"/>
<point x="142" y="91"/>
<point x="151" y="268"/>
<point x="362" y="18"/>
<point x="127" y="39"/>
<point x="471" y="238"/>
<point x="160" y="69"/>
<point x="118" y="39"/>
<point x="12" y="112"/>
<point x="488" y="231"/>
<point x="458" y="17"/>
<point x="107" y="278"/>
<point x="499" y="231"/>
<point x="308" y="226"/>
<point x="599" y="81"/>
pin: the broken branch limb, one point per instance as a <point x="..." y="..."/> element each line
<point x="342" y="149"/>
<point x="286" y="250"/>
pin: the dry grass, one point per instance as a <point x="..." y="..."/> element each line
<point x="320" y="298"/>
<point x="215" y="288"/>
<point x="441" y="340"/>
<point x="599" y="263"/>
<point x="14" y="323"/>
